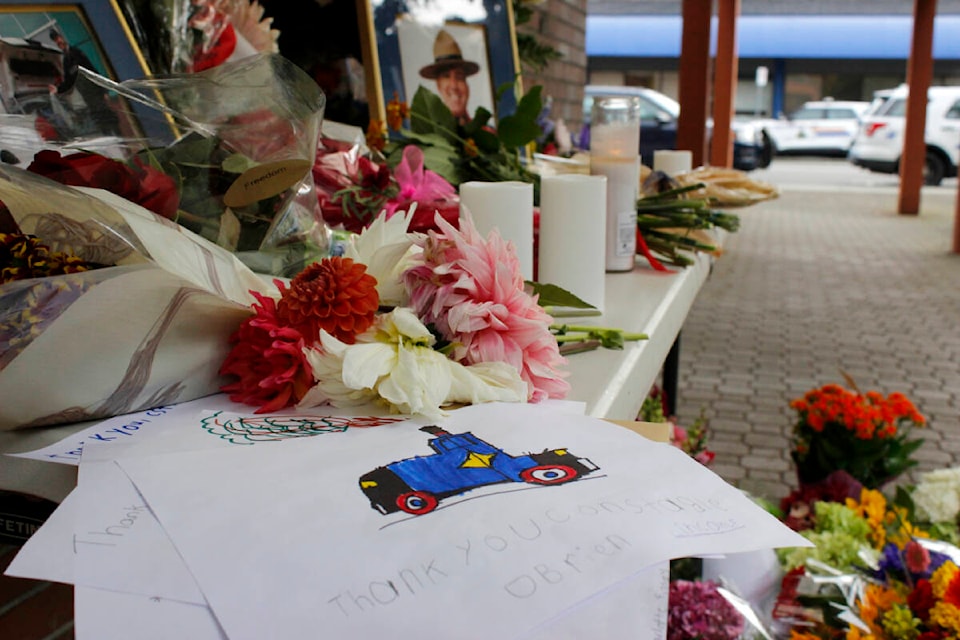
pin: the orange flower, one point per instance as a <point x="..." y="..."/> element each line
<point x="470" y="148"/>
<point x="335" y="294"/>
<point x="397" y="112"/>
<point x="376" y="135"/>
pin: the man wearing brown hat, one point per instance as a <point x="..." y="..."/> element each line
<point x="450" y="71"/>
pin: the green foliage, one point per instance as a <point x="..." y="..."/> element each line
<point x="550" y="295"/>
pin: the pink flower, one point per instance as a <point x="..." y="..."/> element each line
<point x="268" y="361"/>
<point x="428" y="189"/>
<point x="697" y="610"/>
<point x="471" y="290"/>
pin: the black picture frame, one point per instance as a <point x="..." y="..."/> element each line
<point x="385" y="66"/>
<point x="111" y="45"/>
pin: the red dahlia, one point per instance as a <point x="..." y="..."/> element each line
<point x="267" y="361"/>
<point x="335" y="294"/>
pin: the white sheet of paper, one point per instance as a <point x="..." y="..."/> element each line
<point x="637" y="609"/>
<point x="53" y="553"/>
<point x="282" y="541"/>
<point x="119" y="544"/>
<point x="632" y="610"/>
<point x="48" y="554"/>
<point x="108" y="615"/>
<point x="128" y="428"/>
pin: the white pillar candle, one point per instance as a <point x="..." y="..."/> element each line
<point x="672" y="162"/>
<point x="623" y="189"/>
<point x="508" y="207"/>
<point x="573" y="218"/>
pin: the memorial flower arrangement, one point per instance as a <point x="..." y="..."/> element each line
<point x="354" y="190"/>
<point x="873" y="574"/>
<point x="865" y="434"/>
<point x="415" y="322"/>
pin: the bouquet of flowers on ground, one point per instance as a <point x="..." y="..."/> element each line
<point x="872" y="574"/>
<point x="415" y="322"/>
<point x="865" y="434"/>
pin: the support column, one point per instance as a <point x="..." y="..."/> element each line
<point x="919" y="72"/>
<point x="725" y="77"/>
<point x="694" y="79"/>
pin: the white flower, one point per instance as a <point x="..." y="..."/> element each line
<point x="935" y="504"/>
<point x="937" y="495"/>
<point x="396" y="362"/>
<point x="385" y="249"/>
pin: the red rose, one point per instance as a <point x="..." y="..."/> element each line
<point x="157" y="191"/>
<point x="142" y="185"/>
<point x="75" y="170"/>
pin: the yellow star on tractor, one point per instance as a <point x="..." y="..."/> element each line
<point x="476" y="460"/>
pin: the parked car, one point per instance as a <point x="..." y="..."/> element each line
<point x="822" y="127"/>
<point x="658" y="127"/>
<point x="879" y="143"/>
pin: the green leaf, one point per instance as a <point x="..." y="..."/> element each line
<point x="443" y="163"/>
<point x="237" y="163"/>
<point x="487" y="142"/>
<point x="432" y="139"/>
<point x="553" y="296"/>
<point x="428" y="114"/>
<point x="521" y="128"/>
<point x="480" y="119"/>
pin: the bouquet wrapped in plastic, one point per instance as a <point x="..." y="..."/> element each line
<point x="193" y="35"/>
<point x="105" y="307"/>
<point x="241" y="139"/>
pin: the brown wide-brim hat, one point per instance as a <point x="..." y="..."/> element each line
<point x="447" y="55"/>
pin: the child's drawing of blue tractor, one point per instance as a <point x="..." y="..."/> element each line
<point x="462" y="462"/>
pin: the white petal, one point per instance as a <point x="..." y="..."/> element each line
<point x="486" y="382"/>
<point x="365" y="364"/>
<point x="419" y="383"/>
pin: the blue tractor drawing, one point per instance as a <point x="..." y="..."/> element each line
<point x="461" y="462"/>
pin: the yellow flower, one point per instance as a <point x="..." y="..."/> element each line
<point x="942" y="578"/>
<point x="873" y="508"/>
<point x="397" y="112"/>
<point x="947" y="616"/>
<point x="376" y="135"/>
<point x="876" y="602"/>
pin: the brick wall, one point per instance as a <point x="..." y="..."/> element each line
<point x="562" y="25"/>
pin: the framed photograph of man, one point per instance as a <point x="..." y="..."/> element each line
<point x="451" y="61"/>
<point x="43" y="94"/>
<point x="462" y="51"/>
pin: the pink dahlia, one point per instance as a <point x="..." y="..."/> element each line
<point x="268" y="361"/>
<point x="471" y="290"/>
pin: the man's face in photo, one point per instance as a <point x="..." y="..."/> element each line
<point x="454" y="91"/>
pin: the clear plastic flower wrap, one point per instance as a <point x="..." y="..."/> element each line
<point x="105" y="307"/>
<point x="237" y="141"/>
<point x="180" y="36"/>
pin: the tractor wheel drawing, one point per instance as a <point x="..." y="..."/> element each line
<point x="417" y="502"/>
<point x="549" y="474"/>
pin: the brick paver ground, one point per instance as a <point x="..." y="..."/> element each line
<point x="815" y="282"/>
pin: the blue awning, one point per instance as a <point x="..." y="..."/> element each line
<point x="858" y="37"/>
